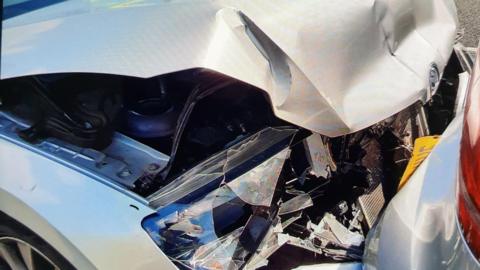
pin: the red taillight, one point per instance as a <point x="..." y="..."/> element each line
<point x="469" y="187"/>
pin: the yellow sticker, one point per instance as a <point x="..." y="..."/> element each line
<point x="422" y="148"/>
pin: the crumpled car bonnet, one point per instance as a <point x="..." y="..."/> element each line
<point x="333" y="67"/>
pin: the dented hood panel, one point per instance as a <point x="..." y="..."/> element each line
<point x="334" y="67"/>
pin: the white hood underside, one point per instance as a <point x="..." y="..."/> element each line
<point x="333" y="67"/>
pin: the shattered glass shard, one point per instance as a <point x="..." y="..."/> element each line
<point x="241" y="159"/>
<point x="295" y="204"/>
<point x="257" y="186"/>
<point x="223" y="253"/>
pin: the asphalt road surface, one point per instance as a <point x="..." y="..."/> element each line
<point x="469" y="17"/>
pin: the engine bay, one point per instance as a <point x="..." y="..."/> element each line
<point x="233" y="185"/>
<point x="135" y="129"/>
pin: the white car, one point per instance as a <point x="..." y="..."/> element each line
<point x="237" y="134"/>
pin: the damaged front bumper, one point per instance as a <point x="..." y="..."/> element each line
<point x="239" y="207"/>
<point x="285" y="198"/>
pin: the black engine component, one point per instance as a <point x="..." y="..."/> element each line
<point x="84" y="117"/>
<point x="152" y="107"/>
<point x="151" y="118"/>
<point x="217" y="120"/>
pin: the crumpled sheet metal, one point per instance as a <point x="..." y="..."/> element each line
<point x="342" y="235"/>
<point x="333" y="67"/>
<point x="336" y="242"/>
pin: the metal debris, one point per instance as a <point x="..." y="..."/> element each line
<point x="343" y="236"/>
<point x="319" y="156"/>
<point x="295" y="204"/>
<point x="256" y="187"/>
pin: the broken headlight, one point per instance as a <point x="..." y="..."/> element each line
<point x="258" y="199"/>
<point x="216" y="215"/>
